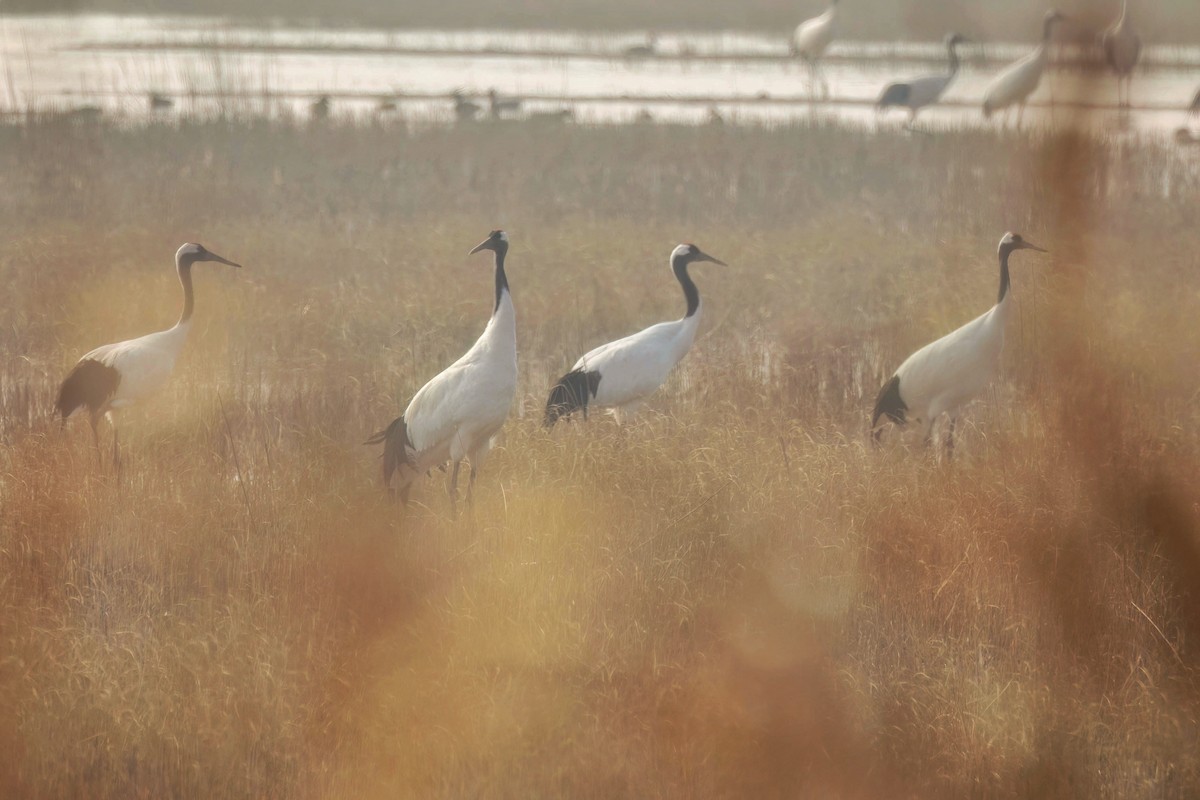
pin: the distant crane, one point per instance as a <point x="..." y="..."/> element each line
<point x="455" y="415"/>
<point x="812" y="37"/>
<point x="620" y="375"/>
<point x="118" y="375"/>
<point x="1021" y="79"/>
<point x="650" y="48"/>
<point x="946" y="374"/>
<point x="499" y="106"/>
<point x="1122" y="47"/>
<point x="920" y="92"/>
<point x="1194" y="108"/>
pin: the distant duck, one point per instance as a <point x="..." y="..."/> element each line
<point x="1122" y="47"/>
<point x="499" y="106"/>
<point x="464" y="110"/>
<point x="650" y="48"/>
<point x="386" y="105"/>
<point x="160" y="102"/>
<point x="921" y="92"/>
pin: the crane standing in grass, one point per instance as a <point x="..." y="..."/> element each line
<point x="811" y="38"/>
<point x="946" y="374"/>
<point x="455" y="415"/>
<point x="620" y="375"/>
<point x="916" y="94"/>
<point x="1122" y="47"/>
<point x="118" y="375"/>
<point x="1019" y="80"/>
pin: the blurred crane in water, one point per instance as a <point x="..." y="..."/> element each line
<point x="160" y="102"/>
<point x="810" y="40"/>
<point x="920" y="92"/>
<point x="1021" y="79"/>
<point x="118" y="375"/>
<point x="319" y="110"/>
<point x="455" y="415"/>
<point x="1122" y="47"/>
<point x="946" y="374"/>
<point x="620" y="375"/>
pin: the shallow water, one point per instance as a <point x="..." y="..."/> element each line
<point x="208" y="66"/>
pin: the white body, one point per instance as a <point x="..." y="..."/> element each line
<point x="1122" y="47"/>
<point x="145" y="363"/>
<point x="947" y="373"/>
<point x="1016" y="82"/>
<point x="813" y="36"/>
<point x="456" y="414"/>
<point x="633" y="368"/>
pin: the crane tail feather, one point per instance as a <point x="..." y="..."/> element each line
<point x="895" y="94"/>
<point x="91" y="384"/>
<point x="570" y="394"/>
<point x="889" y="404"/>
<point x="397" y="447"/>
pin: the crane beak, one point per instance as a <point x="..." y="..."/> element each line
<point x="706" y="257"/>
<point x="486" y="244"/>
<point x="1031" y="246"/>
<point x="219" y="260"/>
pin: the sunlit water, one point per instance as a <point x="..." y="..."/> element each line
<point x="113" y="63"/>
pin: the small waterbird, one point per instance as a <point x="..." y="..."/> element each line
<point x="499" y="106"/>
<point x="118" y="375"/>
<point x="1122" y="47"/>
<point x="1020" y="79"/>
<point x="455" y="415"/>
<point x="646" y="50"/>
<point x="812" y="38"/>
<point x="946" y="374"/>
<point x="920" y="92"/>
<point x="620" y="375"/>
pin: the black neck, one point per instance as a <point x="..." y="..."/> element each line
<point x="1004" y="280"/>
<point x="185" y="278"/>
<point x="501" y="278"/>
<point x="690" y="292"/>
<point x="953" y="58"/>
<point x="1048" y="30"/>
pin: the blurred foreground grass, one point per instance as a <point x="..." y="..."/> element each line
<point x="733" y="597"/>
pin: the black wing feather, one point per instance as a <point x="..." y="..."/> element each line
<point x="89" y="385"/>
<point x="570" y="394"/>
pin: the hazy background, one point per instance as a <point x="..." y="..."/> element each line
<point x="1165" y="20"/>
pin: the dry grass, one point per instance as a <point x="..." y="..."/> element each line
<point x="735" y="597"/>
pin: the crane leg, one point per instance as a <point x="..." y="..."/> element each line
<point x="116" y="450"/>
<point x="1020" y="114"/>
<point x="94" y="419"/>
<point x="950" y="439"/>
<point x="454" y="487"/>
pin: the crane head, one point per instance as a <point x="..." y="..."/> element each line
<point x="690" y="254"/>
<point x="496" y="241"/>
<point x="1052" y="17"/>
<point x="1014" y="241"/>
<point x="191" y="253"/>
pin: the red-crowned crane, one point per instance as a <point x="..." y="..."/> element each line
<point x="455" y="415"/>
<point x="118" y="375"/>
<point x="1021" y="79"/>
<point x="946" y="374"/>
<point x="920" y="92"/>
<point x="620" y="375"/>
<point x="812" y="37"/>
<point x="1122" y="47"/>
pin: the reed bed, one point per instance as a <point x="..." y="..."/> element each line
<point x="735" y="596"/>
